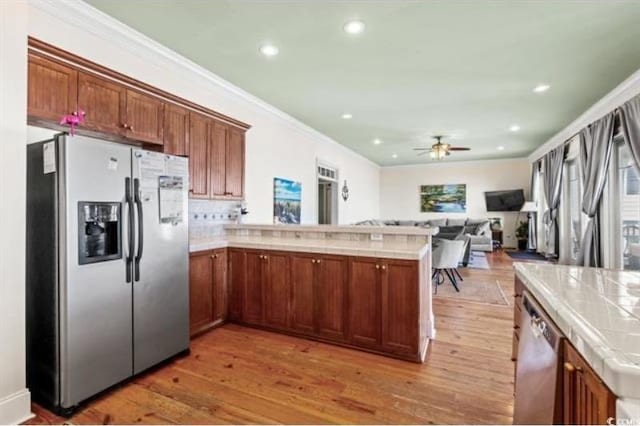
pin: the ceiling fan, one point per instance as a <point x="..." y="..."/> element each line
<point x="440" y="150"/>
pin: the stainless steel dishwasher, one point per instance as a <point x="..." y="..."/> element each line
<point x="538" y="372"/>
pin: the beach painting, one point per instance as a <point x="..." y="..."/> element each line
<point x="287" y="198"/>
<point x="443" y="198"/>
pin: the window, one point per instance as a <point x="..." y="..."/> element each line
<point x="628" y="200"/>
<point x="574" y="209"/>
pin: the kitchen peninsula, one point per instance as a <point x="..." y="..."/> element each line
<point x="367" y="288"/>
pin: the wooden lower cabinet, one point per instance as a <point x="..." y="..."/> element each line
<point x="400" y="306"/>
<point x="276" y="289"/>
<point x="207" y="290"/>
<point x="236" y="274"/>
<point x="303" y="293"/>
<point x="332" y="274"/>
<point x="253" y="303"/>
<point x="364" y="302"/>
<point x="586" y="399"/>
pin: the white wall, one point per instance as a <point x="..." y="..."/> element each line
<point x="400" y="187"/>
<point x="277" y="145"/>
<point x="14" y="397"/>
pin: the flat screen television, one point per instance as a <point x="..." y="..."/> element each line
<point x="504" y="201"/>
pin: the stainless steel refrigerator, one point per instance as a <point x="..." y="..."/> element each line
<point x="107" y="265"/>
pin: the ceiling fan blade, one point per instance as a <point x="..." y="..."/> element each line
<point x="421" y="149"/>
<point x="458" y="148"/>
<point x="423" y="153"/>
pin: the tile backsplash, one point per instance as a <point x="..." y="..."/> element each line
<point x="207" y="217"/>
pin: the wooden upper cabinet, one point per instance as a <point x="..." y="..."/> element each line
<point x="198" y="155"/>
<point x="176" y="130"/>
<point x="331" y="296"/>
<point x="364" y="302"/>
<point x="144" y="119"/>
<point x="218" y="158"/>
<point x="400" y="298"/>
<point x="586" y="399"/>
<point x="53" y="89"/>
<point x="235" y="163"/>
<point x="104" y="103"/>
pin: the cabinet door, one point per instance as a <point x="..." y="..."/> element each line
<point x="276" y="289"/>
<point x="236" y="283"/>
<point x="200" y="292"/>
<point x="253" y="289"/>
<point x="331" y="297"/>
<point x="52" y="89"/>
<point x="217" y="158"/>
<point x="104" y="103"/>
<point x="176" y="130"/>
<point x="586" y="399"/>
<point x="400" y="298"/>
<point x="302" y="293"/>
<point x="198" y="155"/>
<point x="145" y="118"/>
<point x="235" y="163"/>
<point x="219" y="280"/>
<point x="364" y="302"/>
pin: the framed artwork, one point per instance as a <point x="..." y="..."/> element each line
<point x="443" y="198"/>
<point x="495" y="223"/>
<point x="287" y="198"/>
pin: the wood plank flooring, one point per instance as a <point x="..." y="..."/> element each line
<point x="242" y="375"/>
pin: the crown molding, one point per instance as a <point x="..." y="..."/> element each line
<point x="444" y="163"/>
<point x="84" y="16"/>
<point x="626" y="90"/>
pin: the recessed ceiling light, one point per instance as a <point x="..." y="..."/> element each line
<point x="501" y="148"/>
<point x="347" y="116"/>
<point x="269" y="50"/>
<point x="394" y="155"/>
<point x="354" y="27"/>
<point x="541" y="88"/>
<point x="377" y="141"/>
<point x="514" y="128"/>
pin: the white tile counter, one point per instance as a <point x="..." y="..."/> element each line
<point x="392" y="242"/>
<point x="598" y="310"/>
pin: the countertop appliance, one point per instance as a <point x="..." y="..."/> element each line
<point x="538" y="371"/>
<point x="107" y="265"/>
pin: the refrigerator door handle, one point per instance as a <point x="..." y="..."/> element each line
<point x="138" y="201"/>
<point x="131" y="219"/>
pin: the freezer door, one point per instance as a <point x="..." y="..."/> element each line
<point x="96" y="300"/>
<point x="161" y="270"/>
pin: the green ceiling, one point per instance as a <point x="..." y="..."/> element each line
<point x="461" y="68"/>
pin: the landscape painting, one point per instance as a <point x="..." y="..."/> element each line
<point x="443" y="198"/>
<point x="287" y="197"/>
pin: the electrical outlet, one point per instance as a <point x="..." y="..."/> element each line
<point x="376" y="237"/>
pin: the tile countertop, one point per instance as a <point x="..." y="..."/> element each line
<point x="385" y="249"/>
<point x="598" y="310"/>
<point x="355" y="229"/>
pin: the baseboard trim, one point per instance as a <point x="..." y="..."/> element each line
<point x="16" y="408"/>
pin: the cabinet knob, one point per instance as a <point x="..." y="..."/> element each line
<point x="384" y="267"/>
<point x="377" y="266"/>
<point x="125" y="126"/>
<point x="318" y="261"/>
<point x="569" y="367"/>
<point x="131" y="128"/>
<point x="313" y="261"/>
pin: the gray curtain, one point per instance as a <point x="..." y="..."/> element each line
<point x="629" y="114"/>
<point x="596" y="145"/>
<point x="552" y="185"/>
<point x="532" y="242"/>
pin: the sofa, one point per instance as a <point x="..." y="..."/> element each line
<point x="478" y="230"/>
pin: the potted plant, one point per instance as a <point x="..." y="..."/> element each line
<point x="522" y="234"/>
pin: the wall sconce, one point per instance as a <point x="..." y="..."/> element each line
<point x="345" y="191"/>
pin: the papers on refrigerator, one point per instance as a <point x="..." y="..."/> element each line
<point x="171" y="196"/>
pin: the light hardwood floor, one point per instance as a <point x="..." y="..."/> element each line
<point x="242" y="375"/>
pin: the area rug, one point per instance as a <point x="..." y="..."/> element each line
<point x="525" y="255"/>
<point x="484" y="290"/>
<point x="478" y="260"/>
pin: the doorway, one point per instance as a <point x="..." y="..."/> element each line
<point x="327" y="195"/>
